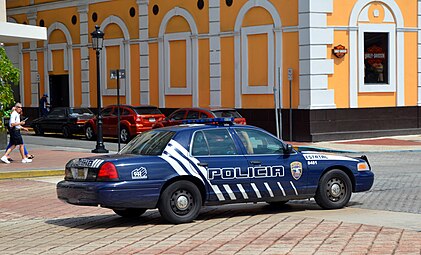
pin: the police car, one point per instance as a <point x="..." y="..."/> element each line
<point x="181" y="168"/>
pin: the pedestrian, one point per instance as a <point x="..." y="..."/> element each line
<point x="43" y="105"/>
<point x="15" y="135"/>
<point x="29" y="156"/>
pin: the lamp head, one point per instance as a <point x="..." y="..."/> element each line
<point x="97" y="38"/>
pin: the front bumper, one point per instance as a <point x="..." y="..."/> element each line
<point x="364" y="181"/>
<point x="109" y="194"/>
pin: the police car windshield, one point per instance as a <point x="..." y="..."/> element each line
<point x="151" y="143"/>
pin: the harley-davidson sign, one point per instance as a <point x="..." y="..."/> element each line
<point x="339" y="51"/>
<point x="374" y="54"/>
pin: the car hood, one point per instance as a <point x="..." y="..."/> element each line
<point x="315" y="155"/>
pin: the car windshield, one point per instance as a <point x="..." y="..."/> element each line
<point x="80" y="111"/>
<point x="150" y="143"/>
<point x="147" y="110"/>
<point x="227" y="113"/>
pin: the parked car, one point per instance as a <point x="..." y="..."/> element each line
<point x="133" y="121"/>
<point x="65" y="120"/>
<point x="181" y="168"/>
<point x="177" y="117"/>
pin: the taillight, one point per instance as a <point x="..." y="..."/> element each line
<point x="138" y="119"/>
<point x="107" y="172"/>
<point x="80" y="122"/>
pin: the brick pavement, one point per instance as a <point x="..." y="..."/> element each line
<point x="33" y="221"/>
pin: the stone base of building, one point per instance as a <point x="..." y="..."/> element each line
<point x="339" y="124"/>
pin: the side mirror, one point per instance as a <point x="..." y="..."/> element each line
<point x="288" y="149"/>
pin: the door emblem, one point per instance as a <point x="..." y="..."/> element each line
<point x="296" y="170"/>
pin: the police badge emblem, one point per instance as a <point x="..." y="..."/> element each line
<point x="296" y="170"/>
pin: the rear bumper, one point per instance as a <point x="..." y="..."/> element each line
<point x="364" y="181"/>
<point x="112" y="195"/>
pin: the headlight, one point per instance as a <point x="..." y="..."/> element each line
<point x="363" y="166"/>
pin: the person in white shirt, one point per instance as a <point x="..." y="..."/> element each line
<point x="15" y="136"/>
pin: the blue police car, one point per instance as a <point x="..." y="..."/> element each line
<point x="179" y="169"/>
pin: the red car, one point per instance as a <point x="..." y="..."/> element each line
<point x="177" y="117"/>
<point x="133" y="121"/>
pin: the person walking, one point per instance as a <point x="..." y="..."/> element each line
<point x="43" y="105"/>
<point x="15" y="135"/>
<point x="29" y="156"/>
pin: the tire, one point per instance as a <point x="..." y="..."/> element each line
<point x="124" y="135"/>
<point x="334" y="190"/>
<point x="130" y="212"/>
<point x="278" y="203"/>
<point x="89" y="133"/>
<point x="180" y="202"/>
<point x="66" y="132"/>
<point x="38" y="130"/>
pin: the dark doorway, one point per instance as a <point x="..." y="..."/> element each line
<point x="59" y="90"/>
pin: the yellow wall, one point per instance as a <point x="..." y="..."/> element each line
<point x="63" y="16"/>
<point x="340" y="80"/>
<point x="411" y="72"/>
<point x="204" y="83"/>
<point x="200" y="17"/>
<point x="290" y="59"/>
<point x="227" y="72"/>
<point x="135" y="75"/>
<point x="153" y="74"/>
<point x="27" y="78"/>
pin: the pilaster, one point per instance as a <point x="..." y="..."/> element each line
<point x="314" y="37"/>
<point x="33" y="60"/>
<point x="215" y="53"/>
<point x="144" y="51"/>
<point x="84" y="54"/>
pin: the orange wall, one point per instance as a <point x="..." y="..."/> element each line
<point x="290" y="59"/>
<point x="153" y="74"/>
<point x="204" y="73"/>
<point x="27" y="78"/>
<point x="227" y="72"/>
<point x="135" y="75"/>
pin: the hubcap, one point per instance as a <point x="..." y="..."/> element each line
<point x="182" y="202"/>
<point x="124" y="135"/>
<point x="335" y="189"/>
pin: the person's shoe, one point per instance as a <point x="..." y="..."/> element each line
<point x="5" y="160"/>
<point x="26" y="160"/>
<point x="30" y="156"/>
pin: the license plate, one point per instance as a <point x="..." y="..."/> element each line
<point x="79" y="173"/>
<point x="151" y="119"/>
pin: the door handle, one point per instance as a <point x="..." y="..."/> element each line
<point x="255" y="162"/>
<point x="202" y="164"/>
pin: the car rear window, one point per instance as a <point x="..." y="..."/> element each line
<point x="151" y="143"/>
<point x="227" y="114"/>
<point x="80" y="111"/>
<point x="147" y="110"/>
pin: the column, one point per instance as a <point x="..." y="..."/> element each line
<point x="33" y="60"/>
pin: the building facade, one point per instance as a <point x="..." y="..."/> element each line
<point x="337" y="69"/>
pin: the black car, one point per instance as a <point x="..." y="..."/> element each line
<point x="66" y="120"/>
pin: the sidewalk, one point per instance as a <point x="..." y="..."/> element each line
<point x="52" y="160"/>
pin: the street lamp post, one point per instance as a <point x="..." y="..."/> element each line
<point x="97" y="43"/>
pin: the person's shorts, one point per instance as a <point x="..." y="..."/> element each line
<point x="15" y="137"/>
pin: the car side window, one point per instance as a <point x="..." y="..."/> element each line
<point x="193" y="115"/>
<point x="258" y="142"/>
<point x="106" y="112"/>
<point x="220" y="142"/>
<point x="204" y="116"/>
<point x="178" y="115"/>
<point x="200" y="145"/>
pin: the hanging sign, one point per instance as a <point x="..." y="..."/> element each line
<point x="374" y="54"/>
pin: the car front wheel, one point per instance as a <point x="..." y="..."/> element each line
<point x="334" y="190"/>
<point x="180" y="202"/>
<point x="38" y="130"/>
<point x="129" y="212"/>
<point x="89" y="133"/>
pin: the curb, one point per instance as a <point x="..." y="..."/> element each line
<point x="30" y="173"/>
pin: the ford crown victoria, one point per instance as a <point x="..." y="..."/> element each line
<point x="179" y="169"/>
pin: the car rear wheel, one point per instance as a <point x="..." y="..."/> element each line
<point x="180" y="202"/>
<point x="124" y="135"/>
<point x="66" y="132"/>
<point x="334" y="190"/>
<point x="89" y="133"/>
<point x="38" y="130"/>
<point x="130" y="212"/>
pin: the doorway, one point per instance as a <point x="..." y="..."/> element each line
<point x="59" y="90"/>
